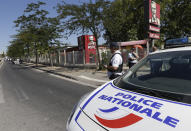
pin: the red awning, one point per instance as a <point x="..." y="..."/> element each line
<point x="138" y="46"/>
<point x="139" y="42"/>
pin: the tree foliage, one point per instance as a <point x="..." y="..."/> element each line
<point x="16" y="49"/>
<point x="175" y="17"/>
<point x="36" y="30"/>
<point x="124" y="20"/>
<point x="84" y="18"/>
<point x="118" y="20"/>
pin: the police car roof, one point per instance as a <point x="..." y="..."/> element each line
<point x="173" y="49"/>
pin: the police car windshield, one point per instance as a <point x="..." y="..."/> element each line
<point x="166" y="75"/>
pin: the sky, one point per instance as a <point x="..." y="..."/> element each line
<point x="10" y="10"/>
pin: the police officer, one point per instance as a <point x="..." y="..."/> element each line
<point x="132" y="57"/>
<point x="115" y="66"/>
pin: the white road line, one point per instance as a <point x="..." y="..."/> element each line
<point x="74" y="81"/>
<point x="21" y="94"/>
<point x="50" y="91"/>
<point x="18" y="94"/>
<point x="1" y="64"/>
<point x="2" y="100"/>
<point x="92" y="79"/>
<point x="24" y="94"/>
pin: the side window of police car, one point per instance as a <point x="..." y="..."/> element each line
<point x="166" y="65"/>
<point x="180" y="64"/>
<point x="144" y="70"/>
<point x="152" y="67"/>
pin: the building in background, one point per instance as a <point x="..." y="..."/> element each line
<point x="87" y="44"/>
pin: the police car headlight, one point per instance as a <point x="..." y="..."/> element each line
<point x="76" y="106"/>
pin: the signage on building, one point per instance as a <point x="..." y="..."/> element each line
<point x="87" y="43"/>
<point x="154" y="13"/>
<point x="154" y="28"/>
<point x="152" y="18"/>
<point x="91" y="43"/>
<point x="154" y="35"/>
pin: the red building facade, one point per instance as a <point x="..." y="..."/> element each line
<point x="87" y="43"/>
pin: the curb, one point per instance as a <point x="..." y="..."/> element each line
<point x="52" y="72"/>
<point x="66" y="77"/>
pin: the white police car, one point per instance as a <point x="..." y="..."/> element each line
<point x="154" y="95"/>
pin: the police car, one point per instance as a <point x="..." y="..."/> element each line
<point x="155" y="94"/>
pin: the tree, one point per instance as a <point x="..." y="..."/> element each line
<point x="16" y="49"/>
<point x="84" y="18"/>
<point x="3" y="54"/>
<point x="37" y="30"/>
<point x="176" y="17"/>
<point x="124" y="20"/>
<point x="26" y="37"/>
<point x="32" y="20"/>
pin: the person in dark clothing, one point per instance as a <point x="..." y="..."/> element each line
<point x="132" y="57"/>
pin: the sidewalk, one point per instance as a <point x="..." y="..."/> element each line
<point x="87" y="76"/>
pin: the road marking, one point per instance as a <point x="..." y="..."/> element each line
<point x="2" y="100"/>
<point x="92" y="79"/>
<point x="50" y="91"/>
<point x="24" y="94"/>
<point x="21" y="94"/>
<point x="1" y="64"/>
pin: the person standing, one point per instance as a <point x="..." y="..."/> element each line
<point x="132" y="57"/>
<point x="115" y="66"/>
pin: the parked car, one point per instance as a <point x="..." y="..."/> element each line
<point x="16" y="61"/>
<point x="155" y="94"/>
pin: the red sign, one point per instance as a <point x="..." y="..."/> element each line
<point x="91" y="44"/>
<point x="154" y="35"/>
<point x="154" y="13"/>
<point x="88" y="43"/>
<point x="154" y="28"/>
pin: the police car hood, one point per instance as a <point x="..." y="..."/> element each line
<point x="116" y="109"/>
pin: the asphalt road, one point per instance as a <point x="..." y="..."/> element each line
<point x="35" y="101"/>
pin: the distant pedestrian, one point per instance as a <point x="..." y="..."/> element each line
<point x="132" y="57"/>
<point x="115" y="66"/>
